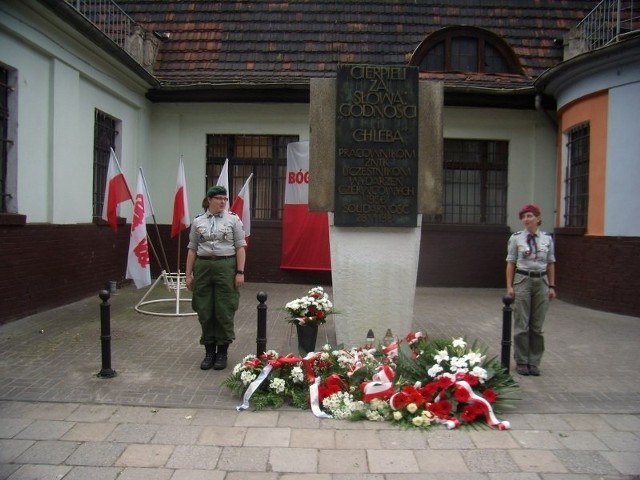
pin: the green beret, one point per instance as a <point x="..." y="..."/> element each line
<point x="216" y="190"/>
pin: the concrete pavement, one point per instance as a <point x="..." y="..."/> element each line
<point x="161" y="417"/>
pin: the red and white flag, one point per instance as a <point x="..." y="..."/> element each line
<point x="305" y="234"/>
<point x="223" y="180"/>
<point x="138" y="263"/>
<point x="116" y="191"/>
<point x="242" y="207"/>
<point x="181" y="219"/>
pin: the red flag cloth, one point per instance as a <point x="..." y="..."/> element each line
<point x="116" y="191"/>
<point x="138" y="264"/>
<point x="181" y="219"/>
<point x="242" y="207"/>
<point x="305" y="234"/>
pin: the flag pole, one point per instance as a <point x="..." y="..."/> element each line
<point x="155" y="222"/>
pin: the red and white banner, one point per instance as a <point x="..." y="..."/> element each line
<point x="242" y="207"/>
<point x="138" y="264"/>
<point x="223" y="180"/>
<point x="181" y="219"/>
<point x="116" y="191"/>
<point x="305" y="234"/>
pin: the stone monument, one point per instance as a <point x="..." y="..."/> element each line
<point x="376" y="166"/>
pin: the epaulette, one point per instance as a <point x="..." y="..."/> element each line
<point x="232" y="213"/>
<point x="198" y="216"/>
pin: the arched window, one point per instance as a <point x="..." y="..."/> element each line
<point x="465" y="49"/>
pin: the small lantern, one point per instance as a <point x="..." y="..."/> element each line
<point x="388" y="338"/>
<point x="371" y="340"/>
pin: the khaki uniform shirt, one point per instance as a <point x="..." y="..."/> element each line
<point x="217" y="235"/>
<point x="532" y="255"/>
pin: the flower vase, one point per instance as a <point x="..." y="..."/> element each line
<point x="307" y="335"/>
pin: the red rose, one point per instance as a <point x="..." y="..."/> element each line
<point x="490" y="395"/>
<point x="461" y="394"/>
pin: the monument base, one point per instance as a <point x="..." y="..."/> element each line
<point x="374" y="272"/>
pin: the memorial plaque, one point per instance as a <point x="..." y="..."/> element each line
<point x="376" y="146"/>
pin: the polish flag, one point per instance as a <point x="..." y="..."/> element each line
<point x="242" y="207"/>
<point x="180" y="206"/>
<point x="116" y="191"/>
<point x="138" y="263"/>
<point x="305" y="234"/>
<point x="223" y="180"/>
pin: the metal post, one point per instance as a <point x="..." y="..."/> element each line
<point x="105" y="335"/>
<point x="506" y="331"/>
<point x="261" y="339"/>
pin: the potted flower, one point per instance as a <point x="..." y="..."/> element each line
<point x="306" y="313"/>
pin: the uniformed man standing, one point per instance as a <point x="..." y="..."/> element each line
<point x="531" y="277"/>
<point x="214" y="272"/>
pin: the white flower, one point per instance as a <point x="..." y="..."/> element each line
<point x="481" y="373"/>
<point x="339" y="404"/>
<point x="459" y="343"/>
<point x="417" y="421"/>
<point x="247" y="377"/>
<point x="435" y="370"/>
<point x="412" y="408"/>
<point x="441" y="356"/>
<point x="473" y="358"/>
<point x="397" y="415"/>
<point x="458" y="363"/>
<point x="297" y="375"/>
<point x="277" y="384"/>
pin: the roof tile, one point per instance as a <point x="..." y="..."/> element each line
<point x="269" y="41"/>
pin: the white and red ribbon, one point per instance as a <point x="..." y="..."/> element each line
<point x="380" y="386"/>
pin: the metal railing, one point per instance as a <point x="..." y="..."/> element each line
<point x="107" y="16"/>
<point x="609" y="22"/>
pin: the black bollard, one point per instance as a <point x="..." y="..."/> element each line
<point x="105" y="335"/>
<point x="261" y="338"/>
<point x="506" y="331"/>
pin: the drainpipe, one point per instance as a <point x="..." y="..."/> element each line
<point x="550" y="117"/>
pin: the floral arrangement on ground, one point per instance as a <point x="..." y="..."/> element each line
<point x="415" y="382"/>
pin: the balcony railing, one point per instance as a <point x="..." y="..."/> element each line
<point x="108" y="17"/>
<point x="111" y="20"/>
<point x="609" y="23"/>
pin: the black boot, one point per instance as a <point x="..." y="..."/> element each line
<point x="209" y="358"/>
<point x="221" y="358"/>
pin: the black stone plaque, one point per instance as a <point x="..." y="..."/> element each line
<point x="376" y="146"/>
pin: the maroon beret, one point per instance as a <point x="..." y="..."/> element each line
<point x="529" y="207"/>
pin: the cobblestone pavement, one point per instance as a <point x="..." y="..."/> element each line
<point x="161" y="417"/>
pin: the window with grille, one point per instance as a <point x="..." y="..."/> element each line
<point x="466" y="49"/>
<point x="104" y="139"/>
<point x="7" y="134"/>
<point x="475" y="182"/>
<point x="263" y="155"/>
<point x="576" y="180"/>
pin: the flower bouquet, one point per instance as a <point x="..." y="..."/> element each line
<point x="417" y="383"/>
<point x="306" y="313"/>
<point x="311" y="309"/>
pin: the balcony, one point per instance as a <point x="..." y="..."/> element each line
<point x="611" y="21"/>
<point x="114" y="22"/>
